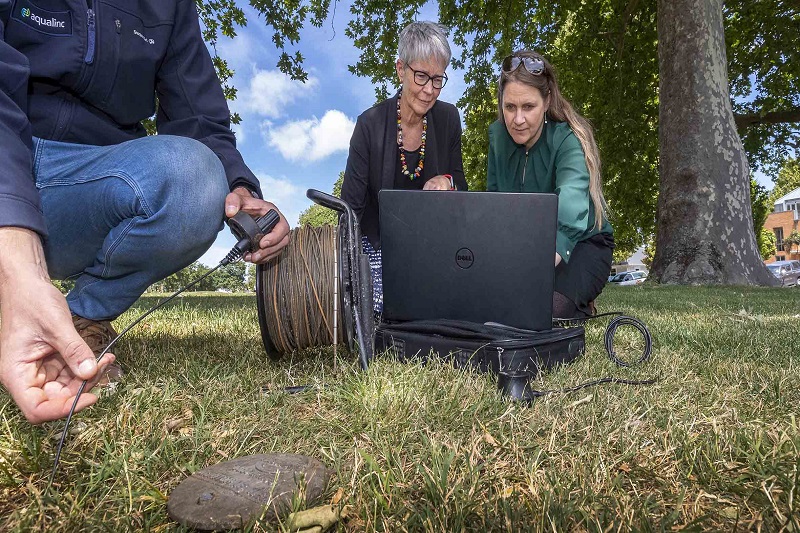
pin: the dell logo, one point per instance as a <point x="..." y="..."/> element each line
<point x="464" y="258"/>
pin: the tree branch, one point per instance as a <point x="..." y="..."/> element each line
<point x="774" y="117"/>
<point x="625" y="21"/>
<point x="796" y="144"/>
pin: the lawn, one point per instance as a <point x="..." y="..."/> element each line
<point x="714" y="445"/>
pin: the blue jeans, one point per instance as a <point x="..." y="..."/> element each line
<point x="123" y="217"/>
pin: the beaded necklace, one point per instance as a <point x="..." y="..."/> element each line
<point x="403" y="165"/>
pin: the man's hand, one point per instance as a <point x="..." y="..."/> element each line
<point x="437" y="183"/>
<point x="272" y="243"/>
<point x="43" y="360"/>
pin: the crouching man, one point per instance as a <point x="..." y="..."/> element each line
<point x="86" y="195"/>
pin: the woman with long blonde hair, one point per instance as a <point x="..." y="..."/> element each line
<point x="541" y="144"/>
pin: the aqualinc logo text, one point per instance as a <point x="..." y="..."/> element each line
<point x="50" y="23"/>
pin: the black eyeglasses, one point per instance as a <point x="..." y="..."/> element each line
<point x="534" y="65"/>
<point x="421" y="78"/>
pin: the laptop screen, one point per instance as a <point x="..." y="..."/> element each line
<point x="476" y="256"/>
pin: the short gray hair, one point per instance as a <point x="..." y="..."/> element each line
<point x="420" y="41"/>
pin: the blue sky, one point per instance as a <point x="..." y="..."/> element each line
<point x="294" y="135"/>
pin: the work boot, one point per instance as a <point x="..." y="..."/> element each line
<point x="592" y="308"/>
<point x="98" y="334"/>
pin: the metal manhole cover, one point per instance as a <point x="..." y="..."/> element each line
<point x="229" y="495"/>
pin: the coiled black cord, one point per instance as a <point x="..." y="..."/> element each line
<point x="611" y="330"/>
<point x="510" y="383"/>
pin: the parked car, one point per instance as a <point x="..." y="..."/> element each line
<point x="630" y="278"/>
<point x="786" y="271"/>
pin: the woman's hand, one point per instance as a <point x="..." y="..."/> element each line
<point x="437" y="183"/>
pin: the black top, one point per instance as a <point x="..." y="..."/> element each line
<point x="374" y="160"/>
<point x="401" y="181"/>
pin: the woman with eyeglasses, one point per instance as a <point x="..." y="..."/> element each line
<point x="410" y="141"/>
<point x="541" y="144"/>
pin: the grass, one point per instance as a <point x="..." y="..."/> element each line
<point x="712" y="446"/>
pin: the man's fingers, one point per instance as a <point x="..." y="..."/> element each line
<point x="275" y="251"/>
<point x="273" y="242"/>
<point x="76" y="354"/>
<point x="53" y="399"/>
<point x="56" y="408"/>
<point x="278" y="233"/>
<point x="265" y="254"/>
<point x="38" y="407"/>
<point x="104" y="364"/>
<point x="233" y="203"/>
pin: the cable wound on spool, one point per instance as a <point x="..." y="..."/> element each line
<point x="297" y="291"/>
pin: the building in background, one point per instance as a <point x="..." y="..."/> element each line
<point x="783" y="222"/>
<point x="633" y="264"/>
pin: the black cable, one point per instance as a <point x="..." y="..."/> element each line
<point x="611" y="330"/>
<point x="292" y="389"/>
<point x="568" y="322"/>
<point x="532" y="393"/>
<point x="234" y="255"/>
<point x="248" y="231"/>
<point x="528" y="395"/>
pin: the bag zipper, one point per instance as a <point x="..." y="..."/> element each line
<point x="91" y="33"/>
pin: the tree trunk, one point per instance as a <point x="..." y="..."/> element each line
<point x="704" y="220"/>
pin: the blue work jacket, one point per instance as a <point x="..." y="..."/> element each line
<point x="89" y="71"/>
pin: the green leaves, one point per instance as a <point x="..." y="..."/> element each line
<point x="375" y="30"/>
<point x="787" y="180"/>
<point x="316" y="215"/>
<point x="234" y="277"/>
<point x="762" y="207"/>
<point x="605" y="52"/>
<point x="762" y="39"/>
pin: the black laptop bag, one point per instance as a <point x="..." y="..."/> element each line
<point x="485" y="347"/>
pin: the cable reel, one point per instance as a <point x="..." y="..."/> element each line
<point x="354" y="287"/>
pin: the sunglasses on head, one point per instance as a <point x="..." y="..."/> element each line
<point x="534" y="65"/>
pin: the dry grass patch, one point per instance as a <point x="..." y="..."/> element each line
<point x="712" y="446"/>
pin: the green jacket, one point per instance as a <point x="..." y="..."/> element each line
<point x="555" y="164"/>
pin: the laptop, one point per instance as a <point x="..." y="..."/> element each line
<point x="476" y="256"/>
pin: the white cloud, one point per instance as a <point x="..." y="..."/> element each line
<point x="287" y="196"/>
<point x="313" y="139"/>
<point x="269" y="92"/>
<point x="239" y="50"/>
